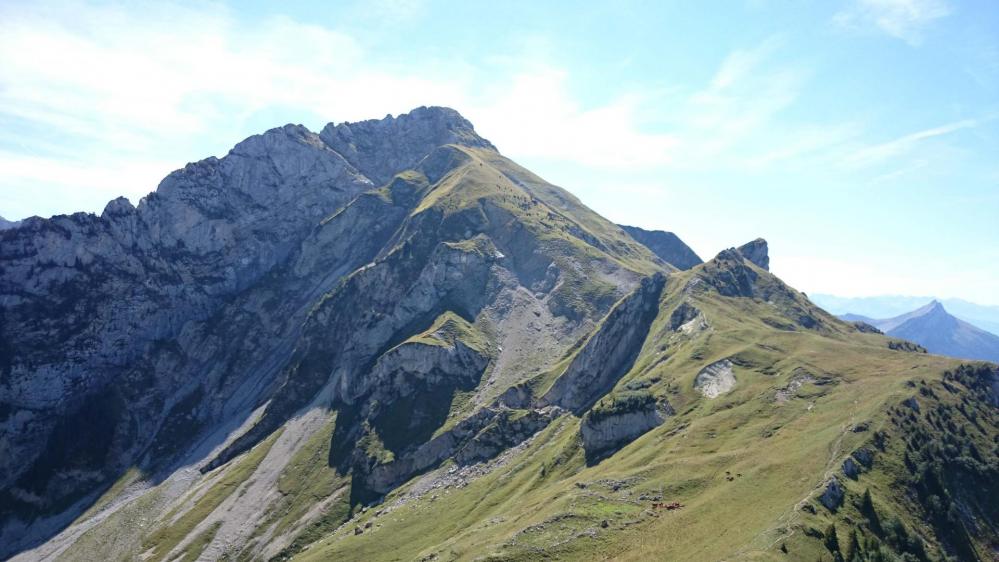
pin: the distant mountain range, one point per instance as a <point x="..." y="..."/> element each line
<point x="5" y="224"/>
<point x="932" y="327"/>
<point x="890" y="306"/>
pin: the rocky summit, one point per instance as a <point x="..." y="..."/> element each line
<point x="388" y="341"/>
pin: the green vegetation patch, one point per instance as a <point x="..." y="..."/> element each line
<point x="617" y="403"/>
<point x="450" y="328"/>
<point x="307" y="480"/>
<point x="197" y="546"/>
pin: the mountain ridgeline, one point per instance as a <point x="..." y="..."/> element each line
<point x="666" y="245"/>
<point x="387" y="340"/>
<point x="932" y="327"/>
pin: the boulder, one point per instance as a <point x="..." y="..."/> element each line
<point x="851" y="469"/>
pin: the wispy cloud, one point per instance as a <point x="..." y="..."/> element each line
<point x="879" y="153"/>
<point x="102" y="87"/>
<point x="537" y="116"/>
<point x="902" y="19"/>
<point x="114" y="84"/>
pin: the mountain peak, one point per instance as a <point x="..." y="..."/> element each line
<point x="932" y="327"/>
<point x="756" y="252"/>
<point x="379" y="147"/>
<point x="934" y="307"/>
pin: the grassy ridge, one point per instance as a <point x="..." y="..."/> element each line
<point x="744" y="465"/>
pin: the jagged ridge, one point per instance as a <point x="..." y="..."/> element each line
<point x="392" y="314"/>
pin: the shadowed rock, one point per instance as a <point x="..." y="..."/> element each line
<point x="666" y="245"/>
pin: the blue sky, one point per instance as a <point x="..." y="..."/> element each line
<point x="860" y="137"/>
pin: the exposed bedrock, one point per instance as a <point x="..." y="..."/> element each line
<point x="715" y="379"/>
<point x="610" y="352"/>
<point x="619" y="419"/>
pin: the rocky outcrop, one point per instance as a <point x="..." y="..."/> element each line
<point x="732" y="274"/>
<point x="729" y="275"/>
<point x="666" y="245"/>
<point x="715" y="379"/>
<point x="477" y="438"/>
<point x="682" y="314"/>
<point x="687" y="319"/>
<point x="799" y="378"/>
<point x="128" y="298"/>
<point x="757" y="253"/>
<point x="906" y="346"/>
<point x="619" y="419"/>
<point x="610" y="352"/>
<point x="380" y="148"/>
<point x="367" y="314"/>
<point x="833" y="494"/>
<point x="865" y="328"/>
<point x="851" y="469"/>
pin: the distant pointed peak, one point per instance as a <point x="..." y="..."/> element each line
<point x="757" y="252"/>
<point x="934" y="306"/>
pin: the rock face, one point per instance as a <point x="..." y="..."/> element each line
<point x="610" y="352"/>
<point x="619" y="420"/>
<point x="832" y="496"/>
<point x="851" y="469"/>
<point x="715" y="379"/>
<point x="135" y="297"/>
<point x="686" y="318"/>
<point x="756" y="252"/>
<point x="381" y="148"/>
<point x="378" y="267"/>
<point x="731" y="274"/>
<point x="666" y="245"/>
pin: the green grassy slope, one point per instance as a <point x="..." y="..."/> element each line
<point x="748" y="466"/>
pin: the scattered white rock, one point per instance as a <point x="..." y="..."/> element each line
<point x="715" y="379"/>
